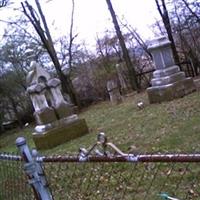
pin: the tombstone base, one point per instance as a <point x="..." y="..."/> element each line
<point x="158" y="94"/>
<point x="63" y="110"/>
<point x="60" y="134"/>
<point x="197" y="84"/>
<point x="45" y="116"/>
<point x="116" y="99"/>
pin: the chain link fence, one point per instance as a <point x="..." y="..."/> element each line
<point x="99" y="174"/>
<point x="13" y="182"/>
<point x="122" y="180"/>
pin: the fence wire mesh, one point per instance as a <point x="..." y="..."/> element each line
<point x="13" y="182"/>
<point x="113" y="181"/>
<point x="70" y="179"/>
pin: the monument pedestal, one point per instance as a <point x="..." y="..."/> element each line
<point x="45" y="115"/>
<point x="158" y="94"/>
<point x="168" y="81"/>
<point x="60" y="134"/>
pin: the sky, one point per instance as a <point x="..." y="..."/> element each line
<point x="92" y="16"/>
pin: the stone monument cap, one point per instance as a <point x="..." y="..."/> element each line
<point x="36" y="73"/>
<point x="37" y="88"/>
<point x="53" y="82"/>
<point x="159" y="43"/>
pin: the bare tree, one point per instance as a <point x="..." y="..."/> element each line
<point x="132" y="73"/>
<point x="138" y="38"/>
<point x="191" y="11"/>
<point x="4" y="3"/>
<point x="186" y="26"/>
<point x="162" y="9"/>
<point x="108" y="50"/>
<point x="71" y="37"/>
<point x="47" y="41"/>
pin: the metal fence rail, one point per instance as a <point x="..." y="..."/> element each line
<point x="103" y="172"/>
<point x="105" y="180"/>
<point x="145" y="158"/>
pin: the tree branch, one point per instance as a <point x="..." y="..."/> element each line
<point x="4" y="3"/>
<point x="191" y="11"/>
<point x="71" y="38"/>
<point x="159" y="8"/>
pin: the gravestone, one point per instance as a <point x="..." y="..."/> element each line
<point x="56" y="122"/>
<point x="123" y="78"/>
<point x="168" y="81"/>
<point x="197" y="84"/>
<point x="114" y="93"/>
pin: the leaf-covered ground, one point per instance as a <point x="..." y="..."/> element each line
<point x="166" y="127"/>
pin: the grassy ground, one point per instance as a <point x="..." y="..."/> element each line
<point x="168" y="127"/>
<point x="158" y="127"/>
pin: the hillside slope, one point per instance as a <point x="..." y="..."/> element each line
<point x="166" y="127"/>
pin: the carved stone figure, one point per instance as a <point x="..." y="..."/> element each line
<point x="54" y="116"/>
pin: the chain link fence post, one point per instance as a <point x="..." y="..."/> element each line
<point x="34" y="171"/>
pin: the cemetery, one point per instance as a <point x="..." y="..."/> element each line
<point x="119" y="120"/>
<point x="157" y="120"/>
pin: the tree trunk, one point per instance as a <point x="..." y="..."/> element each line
<point x="17" y="115"/>
<point x="126" y="57"/>
<point x="165" y="18"/>
<point x="4" y="3"/>
<point x="139" y="40"/>
<point x="1" y="122"/>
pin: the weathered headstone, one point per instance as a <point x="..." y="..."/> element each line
<point x="55" y="120"/>
<point x="197" y="84"/>
<point x="122" y="75"/>
<point x="114" y="93"/>
<point x="168" y="81"/>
